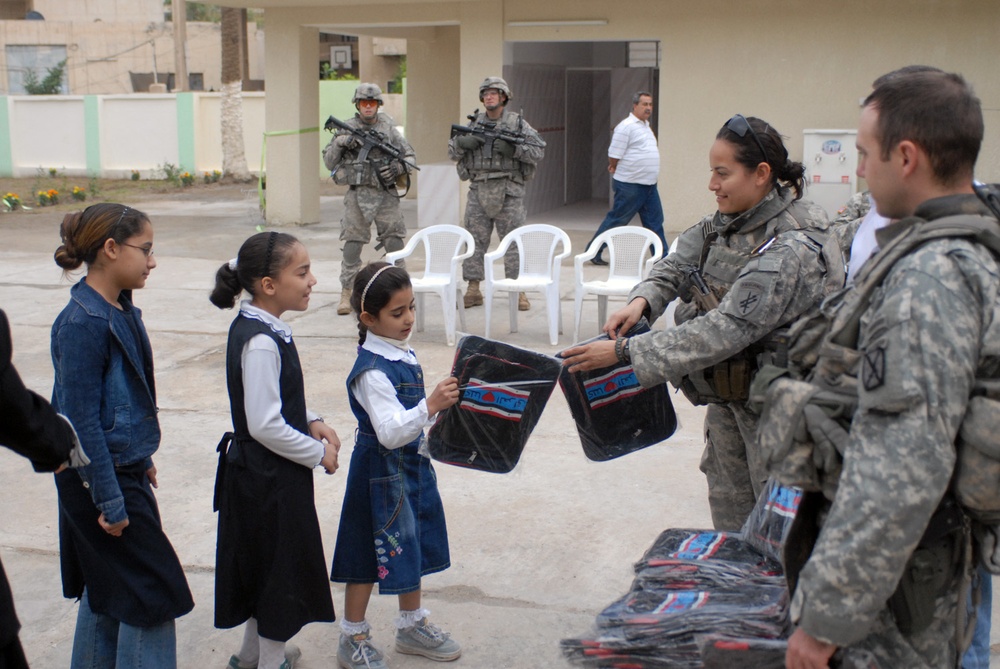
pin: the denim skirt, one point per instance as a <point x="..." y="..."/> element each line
<point x="392" y="527"/>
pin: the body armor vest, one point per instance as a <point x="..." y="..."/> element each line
<point x="720" y="266"/>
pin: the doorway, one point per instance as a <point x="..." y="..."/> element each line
<point x="574" y="94"/>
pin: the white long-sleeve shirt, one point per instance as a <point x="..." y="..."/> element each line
<point x="261" y="364"/>
<point x="394" y="425"/>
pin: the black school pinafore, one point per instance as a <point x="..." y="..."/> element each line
<point x="269" y="554"/>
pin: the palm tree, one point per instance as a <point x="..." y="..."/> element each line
<point x="234" y="162"/>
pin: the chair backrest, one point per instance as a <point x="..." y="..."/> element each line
<point x="538" y="247"/>
<point x="442" y="246"/>
<point x="629" y="247"/>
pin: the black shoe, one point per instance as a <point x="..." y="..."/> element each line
<point x="597" y="260"/>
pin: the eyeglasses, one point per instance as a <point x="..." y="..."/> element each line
<point x="146" y="250"/>
<point x="740" y="125"/>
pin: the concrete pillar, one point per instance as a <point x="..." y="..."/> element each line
<point x="433" y="102"/>
<point x="481" y="48"/>
<point x="292" y="104"/>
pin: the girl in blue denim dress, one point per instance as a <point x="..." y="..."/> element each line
<point x="270" y="570"/>
<point x="112" y="550"/>
<point x="392" y="528"/>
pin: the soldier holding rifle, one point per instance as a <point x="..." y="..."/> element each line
<point x="497" y="153"/>
<point x="369" y="155"/>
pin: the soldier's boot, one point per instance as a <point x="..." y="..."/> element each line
<point x="473" y="298"/>
<point x="522" y="302"/>
<point x="344" y="307"/>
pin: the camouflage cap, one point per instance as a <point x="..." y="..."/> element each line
<point x="497" y="83"/>
<point x="368" y="92"/>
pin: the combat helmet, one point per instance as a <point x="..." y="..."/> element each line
<point x="497" y="83"/>
<point x="368" y="92"/>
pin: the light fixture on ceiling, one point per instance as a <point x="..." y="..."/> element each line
<point x="557" y="23"/>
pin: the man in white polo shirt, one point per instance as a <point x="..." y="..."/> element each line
<point x="634" y="163"/>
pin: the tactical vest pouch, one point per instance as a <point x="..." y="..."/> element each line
<point x="782" y="433"/>
<point x="977" y="469"/>
<point x="803" y="431"/>
<point x="528" y="171"/>
<point x="351" y="174"/>
<point x="930" y="570"/>
<point x="727" y="381"/>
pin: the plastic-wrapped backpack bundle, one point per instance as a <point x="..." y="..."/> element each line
<point x="724" y="652"/>
<point x="706" y="546"/>
<point x="701" y="598"/>
<point x="768" y="524"/>
<point x="614" y="415"/>
<point x="659" y="627"/>
<point x="503" y="390"/>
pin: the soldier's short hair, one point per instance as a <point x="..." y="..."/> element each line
<point x="638" y="95"/>
<point x="936" y="110"/>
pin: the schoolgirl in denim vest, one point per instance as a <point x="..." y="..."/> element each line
<point x="392" y="528"/>
<point x="270" y="568"/>
<point x="112" y="550"/>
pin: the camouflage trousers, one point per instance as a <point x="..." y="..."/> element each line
<point x="480" y="225"/>
<point x="362" y="206"/>
<point x="732" y="463"/>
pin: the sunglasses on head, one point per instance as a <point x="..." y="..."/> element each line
<point x="740" y="125"/>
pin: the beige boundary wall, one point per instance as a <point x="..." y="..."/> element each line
<point x="111" y="135"/>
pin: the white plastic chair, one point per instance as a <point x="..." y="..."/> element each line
<point x="443" y="255"/>
<point x="629" y="262"/>
<point x="539" y="262"/>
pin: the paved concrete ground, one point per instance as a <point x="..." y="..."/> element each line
<point x="536" y="553"/>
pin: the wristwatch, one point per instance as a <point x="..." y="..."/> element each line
<point x="626" y="353"/>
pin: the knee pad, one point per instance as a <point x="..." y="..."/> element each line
<point x="352" y="253"/>
<point x="393" y="244"/>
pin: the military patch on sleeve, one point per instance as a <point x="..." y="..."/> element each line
<point x="873" y="368"/>
<point x="749" y="297"/>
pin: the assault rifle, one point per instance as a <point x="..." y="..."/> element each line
<point x="989" y="194"/>
<point x="370" y="139"/>
<point x="488" y="131"/>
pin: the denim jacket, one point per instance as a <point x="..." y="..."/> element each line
<point x="104" y="384"/>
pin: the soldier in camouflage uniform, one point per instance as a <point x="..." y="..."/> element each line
<point x="888" y="569"/>
<point x="766" y="260"/>
<point x="496" y="176"/>
<point x="372" y="195"/>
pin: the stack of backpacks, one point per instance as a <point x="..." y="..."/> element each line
<point x="701" y="598"/>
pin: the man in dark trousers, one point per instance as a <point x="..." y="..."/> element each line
<point x="29" y="426"/>
<point x="634" y="165"/>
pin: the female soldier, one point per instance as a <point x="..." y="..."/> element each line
<point x="743" y="272"/>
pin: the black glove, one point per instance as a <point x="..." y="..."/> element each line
<point x="469" y="142"/>
<point x="347" y="142"/>
<point x="504" y="148"/>
<point x="390" y="171"/>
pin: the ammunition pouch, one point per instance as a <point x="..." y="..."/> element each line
<point x="803" y="430"/>
<point x="354" y="174"/>
<point x="977" y="466"/>
<point x="931" y="570"/>
<point x="727" y="381"/>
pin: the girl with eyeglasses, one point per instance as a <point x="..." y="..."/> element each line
<point x="114" y="555"/>
<point x="754" y="265"/>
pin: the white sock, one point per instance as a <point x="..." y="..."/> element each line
<point x="410" y="618"/>
<point x="249" y="652"/>
<point x="272" y="653"/>
<point x="350" y="629"/>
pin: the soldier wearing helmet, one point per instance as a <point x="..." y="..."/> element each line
<point x="370" y="176"/>
<point x="497" y="171"/>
